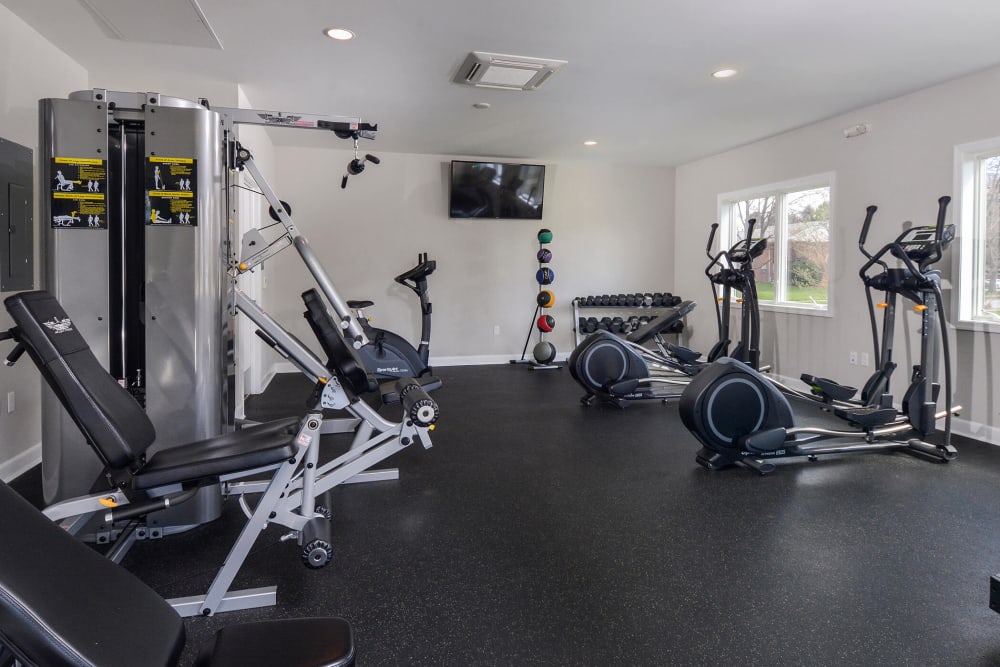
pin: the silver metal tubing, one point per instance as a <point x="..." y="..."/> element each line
<point x="298" y="354"/>
<point x="876" y="433"/>
<point x="354" y="332"/>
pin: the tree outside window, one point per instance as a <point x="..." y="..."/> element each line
<point x="976" y="256"/>
<point x="794" y="270"/>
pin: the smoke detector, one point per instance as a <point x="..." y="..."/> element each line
<point x="495" y="70"/>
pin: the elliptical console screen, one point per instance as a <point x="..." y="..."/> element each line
<point x="919" y="242"/>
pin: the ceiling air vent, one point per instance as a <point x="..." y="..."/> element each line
<point x="494" y="70"/>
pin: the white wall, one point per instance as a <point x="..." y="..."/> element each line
<point x="903" y="165"/>
<point x="30" y="69"/>
<point x="612" y="228"/>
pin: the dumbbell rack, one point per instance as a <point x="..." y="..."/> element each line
<point x="579" y="304"/>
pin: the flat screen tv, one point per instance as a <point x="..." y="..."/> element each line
<point x="496" y="190"/>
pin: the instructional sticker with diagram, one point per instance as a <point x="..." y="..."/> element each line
<point x="79" y="193"/>
<point x="171" y="190"/>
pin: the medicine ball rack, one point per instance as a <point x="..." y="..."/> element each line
<point x="633" y="304"/>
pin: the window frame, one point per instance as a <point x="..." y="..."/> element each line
<point x="726" y="236"/>
<point x="967" y="256"/>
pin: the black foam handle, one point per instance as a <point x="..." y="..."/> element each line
<point x="134" y="510"/>
<point x="371" y="158"/>
<point x="418" y="406"/>
<point x="942" y="212"/>
<point x="869" y="214"/>
<point x="751" y="223"/>
<point x="14" y="355"/>
<point x="711" y="237"/>
<point x="343" y="182"/>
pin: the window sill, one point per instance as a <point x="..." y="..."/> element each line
<point x="796" y="310"/>
<point x="977" y="325"/>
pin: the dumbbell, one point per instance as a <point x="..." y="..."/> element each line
<point x="605" y="300"/>
<point x="647" y="299"/>
<point x="657" y="300"/>
<point x="589" y="301"/>
<point x="643" y="320"/>
<point x="581" y="324"/>
<point x="616" y="325"/>
<point x="677" y="327"/>
<point x="591" y="325"/>
<point x="604" y="323"/>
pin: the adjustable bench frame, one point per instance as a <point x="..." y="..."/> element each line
<point x="288" y="498"/>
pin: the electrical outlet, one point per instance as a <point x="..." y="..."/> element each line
<point x="10" y="402"/>
<point x="864" y="359"/>
<point x="496" y="329"/>
<point x="854" y="358"/>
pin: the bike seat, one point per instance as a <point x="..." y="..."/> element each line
<point x="354" y="305"/>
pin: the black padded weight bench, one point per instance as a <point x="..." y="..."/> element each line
<point x="134" y="485"/>
<point x="62" y="604"/>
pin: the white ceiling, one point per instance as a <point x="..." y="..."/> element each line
<point x="638" y="79"/>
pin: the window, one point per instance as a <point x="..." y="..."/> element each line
<point x="978" y="221"/>
<point x="793" y="272"/>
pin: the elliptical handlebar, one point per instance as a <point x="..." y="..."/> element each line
<point x="741" y="248"/>
<point x="869" y="214"/>
<point x="896" y="249"/>
<point x="711" y="238"/>
<point x="938" y="230"/>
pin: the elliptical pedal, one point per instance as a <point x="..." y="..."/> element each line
<point x="867" y="417"/>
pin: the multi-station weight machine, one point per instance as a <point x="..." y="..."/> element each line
<point x="138" y="248"/>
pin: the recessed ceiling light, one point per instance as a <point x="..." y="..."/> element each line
<point x="724" y="73"/>
<point x="339" y="34"/>
<point x="590" y="142"/>
<point x="481" y="105"/>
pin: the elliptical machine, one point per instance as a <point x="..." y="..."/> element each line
<point x="741" y="417"/>
<point x="618" y="370"/>
<point x="733" y="271"/>
<point x="388" y="355"/>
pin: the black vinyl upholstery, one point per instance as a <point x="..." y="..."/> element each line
<point x="62" y="603"/>
<point x="301" y="642"/>
<point x="111" y="420"/>
<point x="343" y="360"/>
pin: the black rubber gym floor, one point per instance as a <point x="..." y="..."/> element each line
<point x="540" y="532"/>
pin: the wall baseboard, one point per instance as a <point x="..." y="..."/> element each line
<point x="470" y="360"/>
<point x="976" y="431"/>
<point x="22" y="463"/>
<point x="482" y="359"/>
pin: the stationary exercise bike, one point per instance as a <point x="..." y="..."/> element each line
<point x="387" y="355"/>
<point x="742" y="417"/>
<point x="618" y="370"/>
